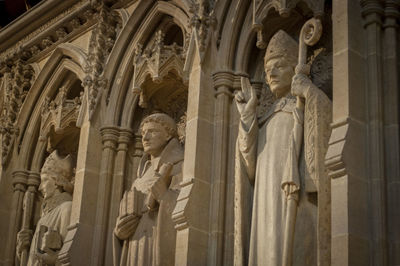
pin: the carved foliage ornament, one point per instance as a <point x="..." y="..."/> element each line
<point x="17" y="81"/>
<point x="202" y="21"/>
<point x="101" y="43"/>
<point x="59" y="113"/>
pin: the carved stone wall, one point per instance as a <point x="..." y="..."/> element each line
<point x="79" y="77"/>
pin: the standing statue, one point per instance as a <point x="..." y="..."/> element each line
<point x="51" y="229"/>
<point x="145" y="218"/>
<point x="276" y="158"/>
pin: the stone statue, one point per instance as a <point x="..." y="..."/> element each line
<point x="269" y="160"/>
<point x="51" y="229"/>
<point x="145" y="224"/>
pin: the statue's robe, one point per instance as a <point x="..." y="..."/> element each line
<point x="154" y="240"/>
<point x="56" y="215"/>
<point x="264" y="163"/>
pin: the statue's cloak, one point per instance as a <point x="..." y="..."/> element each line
<point x="154" y="241"/>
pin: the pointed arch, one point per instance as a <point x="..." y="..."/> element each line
<point x="119" y="70"/>
<point x="67" y="59"/>
<point x="231" y="33"/>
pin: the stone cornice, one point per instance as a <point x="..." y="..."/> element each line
<point x="38" y="31"/>
<point x="36" y="17"/>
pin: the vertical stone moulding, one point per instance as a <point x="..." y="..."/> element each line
<point x="19" y="181"/>
<point x="109" y="139"/>
<point x="223" y="82"/>
<point x="391" y="126"/>
<point x="372" y="12"/>
<point x="125" y="136"/>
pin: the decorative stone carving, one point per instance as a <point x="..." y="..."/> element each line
<point x="202" y="21"/>
<point x="41" y="38"/>
<point x="59" y="113"/>
<point x="18" y="80"/>
<point x="284" y="213"/>
<point x="144" y="224"/>
<point x="284" y="7"/>
<point x="167" y="90"/>
<point x="101" y="43"/>
<point x="157" y="60"/>
<point x="56" y="187"/>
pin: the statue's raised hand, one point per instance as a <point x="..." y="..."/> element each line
<point x="246" y="101"/>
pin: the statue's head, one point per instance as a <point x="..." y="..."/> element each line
<point x="279" y="63"/>
<point x="157" y="129"/>
<point x="56" y="175"/>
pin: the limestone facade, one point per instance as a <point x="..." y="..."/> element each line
<point x="79" y="76"/>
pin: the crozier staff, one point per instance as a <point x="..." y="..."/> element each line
<point x="268" y="157"/>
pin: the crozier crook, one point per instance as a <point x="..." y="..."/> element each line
<point x="309" y="35"/>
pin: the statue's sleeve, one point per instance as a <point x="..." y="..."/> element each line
<point x="245" y="164"/>
<point x="64" y="217"/>
<point x="247" y="147"/>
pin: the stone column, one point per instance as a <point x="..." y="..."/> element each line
<point x="346" y="158"/>
<point x="125" y="136"/>
<point x="223" y="82"/>
<point x="80" y="236"/>
<point x="33" y="184"/>
<point x="191" y="213"/>
<point x="19" y="181"/>
<point x="109" y="138"/>
<point x="391" y="127"/>
<point x="372" y="12"/>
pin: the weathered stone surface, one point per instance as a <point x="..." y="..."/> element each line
<point x="80" y="76"/>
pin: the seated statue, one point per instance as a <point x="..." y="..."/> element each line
<point x="51" y="229"/>
<point x="144" y="224"/>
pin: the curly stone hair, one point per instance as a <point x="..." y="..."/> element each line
<point x="164" y="120"/>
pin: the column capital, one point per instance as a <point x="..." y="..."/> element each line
<point x="392" y="13"/>
<point x="34" y="179"/>
<point x="20" y="180"/>
<point x="109" y="133"/>
<point x="125" y="136"/>
<point x="109" y="136"/>
<point x="372" y="11"/>
<point x="223" y="78"/>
